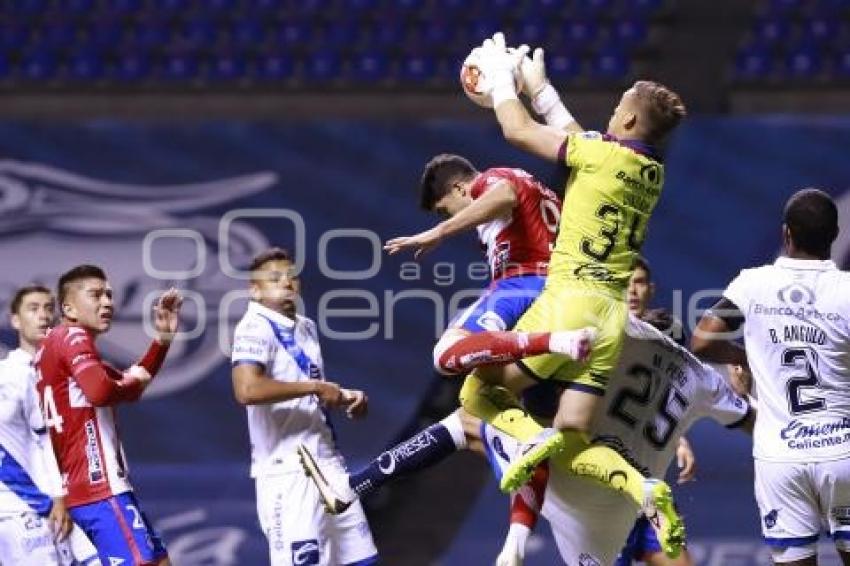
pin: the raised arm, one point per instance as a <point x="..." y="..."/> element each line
<point x="712" y="339"/>
<point x="498" y="201"/>
<point x="521" y="130"/>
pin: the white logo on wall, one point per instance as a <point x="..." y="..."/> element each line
<point x="51" y="220"/>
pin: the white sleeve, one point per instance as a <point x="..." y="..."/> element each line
<point x="738" y="292"/>
<point x="721" y="402"/>
<point x="49" y="480"/>
<point x="252" y="343"/>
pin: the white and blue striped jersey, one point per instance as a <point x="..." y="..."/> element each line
<point x="29" y="477"/>
<point x="288" y="350"/>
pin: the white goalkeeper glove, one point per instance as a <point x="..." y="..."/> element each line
<point x="544" y="97"/>
<point x="497" y="64"/>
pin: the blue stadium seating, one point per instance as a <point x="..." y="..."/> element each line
<point x="796" y="40"/>
<point x="329" y="41"/>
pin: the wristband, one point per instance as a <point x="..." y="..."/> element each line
<point x="548" y="104"/>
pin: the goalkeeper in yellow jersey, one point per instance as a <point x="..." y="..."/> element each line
<point x="614" y="183"/>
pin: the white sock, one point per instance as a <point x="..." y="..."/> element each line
<point x="455" y="427"/>
<point x="517" y="538"/>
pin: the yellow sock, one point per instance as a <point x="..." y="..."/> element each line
<point x="498" y="407"/>
<point x="601" y="463"/>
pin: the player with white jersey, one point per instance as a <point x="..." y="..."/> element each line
<point x="35" y="527"/>
<point x="795" y="316"/>
<point x="79" y="393"/>
<point x="659" y="390"/>
<point x="278" y="375"/>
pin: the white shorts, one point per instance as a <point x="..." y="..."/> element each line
<point x="797" y="500"/>
<point x="590" y="523"/>
<point x="26" y="540"/>
<point x="299" y="530"/>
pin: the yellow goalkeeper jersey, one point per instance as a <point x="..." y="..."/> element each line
<point x="612" y="190"/>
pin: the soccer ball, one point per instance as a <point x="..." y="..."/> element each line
<point x="473" y="81"/>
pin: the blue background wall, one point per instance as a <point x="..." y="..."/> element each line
<point x="727" y="180"/>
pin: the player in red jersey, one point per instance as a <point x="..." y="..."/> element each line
<point x="516" y="218"/>
<point x="79" y="392"/>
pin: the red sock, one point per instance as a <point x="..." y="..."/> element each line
<point x="528" y="500"/>
<point x="491" y="348"/>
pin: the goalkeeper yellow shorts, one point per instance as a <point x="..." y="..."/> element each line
<point x="570" y="307"/>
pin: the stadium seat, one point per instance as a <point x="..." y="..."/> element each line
<point x="38" y="65"/>
<point x="29" y="7"/>
<point x="578" y="34"/>
<point x="150" y="33"/>
<point x="369" y="66"/>
<point x="627" y="33"/>
<point x="820" y="31"/>
<point x="58" y="33"/>
<point x="293" y="34"/>
<point x="199" y="32"/>
<point x="803" y="63"/>
<point x="562" y="67"/>
<point x="530" y="30"/>
<point x="130" y="67"/>
<point x="588" y="8"/>
<point x="610" y="64"/>
<point x="226" y="67"/>
<point x="322" y="66"/>
<point x="225" y="7"/>
<point x="434" y="32"/>
<point x="275" y="67"/>
<point x="482" y="28"/>
<point x="104" y="32"/>
<point x="123" y="7"/>
<point x="266" y="6"/>
<point x="753" y="63"/>
<point x="179" y="67"/>
<point x="384" y="33"/>
<point x="77" y="7"/>
<point x="771" y="31"/>
<point x="417" y="68"/>
<point x="171" y="7"/>
<point x="641" y="8"/>
<point x="85" y="65"/>
<point x="340" y="34"/>
<point x="14" y="36"/>
<point x="248" y="32"/>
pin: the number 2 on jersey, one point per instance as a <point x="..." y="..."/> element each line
<point x="52" y="418"/>
<point x="803" y="359"/>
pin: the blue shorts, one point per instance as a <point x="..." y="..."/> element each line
<point x="641" y="543"/>
<point x="501" y="306"/>
<point x="120" y="531"/>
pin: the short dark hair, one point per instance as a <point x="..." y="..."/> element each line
<point x="664" y="109"/>
<point x="271" y="254"/>
<point x="641" y="262"/>
<point x="812" y="219"/>
<point x="74" y="274"/>
<point x="21" y="294"/>
<point x="439" y="174"/>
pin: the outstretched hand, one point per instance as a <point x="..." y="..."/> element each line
<point x="166" y="312"/>
<point x="421" y="243"/>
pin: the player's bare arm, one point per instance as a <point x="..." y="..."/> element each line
<point x="499" y="200"/>
<point x="521" y="130"/>
<point x="712" y="338"/>
<point x="251" y="386"/>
